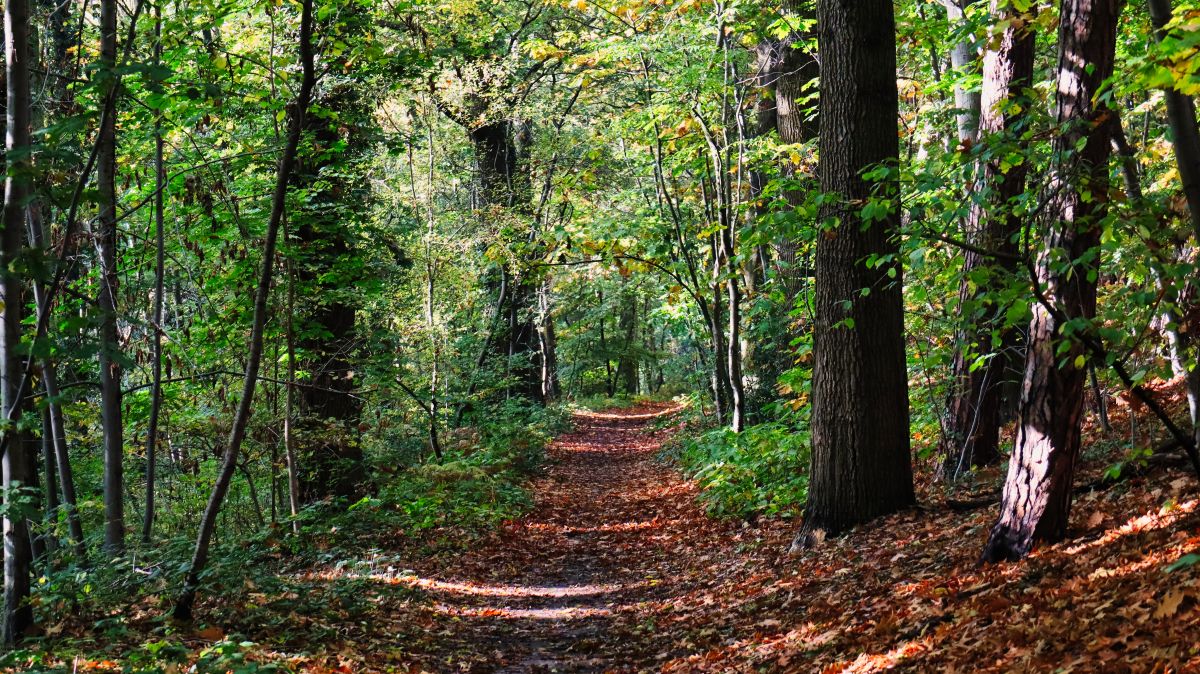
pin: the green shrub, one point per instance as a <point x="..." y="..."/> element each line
<point x="761" y="471"/>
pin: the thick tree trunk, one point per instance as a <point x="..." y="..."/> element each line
<point x="1037" y="493"/>
<point x="972" y="422"/>
<point x="106" y="245"/>
<point x="505" y="182"/>
<point x="17" y="468"/>
<point x="329" y="410"/>
<point x="229" y="462"/>
<point x="861" y="463"/>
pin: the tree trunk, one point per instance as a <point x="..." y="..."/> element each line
<point x="106" y="244"/>
<point x="66" y="477"/>
<point x="972" y="423"/>
<point x="861" y="463"/>
<point x="967" y="103"/>
<point x="627" y="362"/>
<point x="505" y="182"/>
<point x="160" y="185"/>
<point x="1037" y="493"/>
<point x="229" y="462"/>
<point x="329" y="410"/>
<point x="548" y="345"/>
<point x="18" y="471"/>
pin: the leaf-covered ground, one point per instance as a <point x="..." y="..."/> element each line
<point x="617" y="569"/>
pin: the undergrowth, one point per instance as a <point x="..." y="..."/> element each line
<point x="762" y="471"/>
<point x="261" y="589"/>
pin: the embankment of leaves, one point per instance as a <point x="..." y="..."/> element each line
<point x="270" y="602"/>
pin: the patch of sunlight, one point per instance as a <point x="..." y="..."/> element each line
<point x="616" y="526"/>
<point x="549" y="591"/>
<point x="1147" y="522"/>
<point x="625" y="416"/>
<point x="564" y="613"/>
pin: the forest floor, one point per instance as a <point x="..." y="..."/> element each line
<point x="617" y="568"/>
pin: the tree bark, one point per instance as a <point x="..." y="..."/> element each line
<point x="967" y="103"/>
<point x="229" y="462"/>
<point x="106" y="245"/>
<point x="972" y="422"/>
<point x="861" y="463"/>
<point x="17" y="468"/>
<point x="1037" y="493"/>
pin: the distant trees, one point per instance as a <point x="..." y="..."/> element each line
<point x="861" y="463"/>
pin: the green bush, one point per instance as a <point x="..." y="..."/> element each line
<point x="761" y="471"/>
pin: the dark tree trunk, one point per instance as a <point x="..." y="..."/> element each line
<point x="17" y="468"/>
<point x="505" y="182"/>
<point x="106" y="245"/>
<point x="861" y="463"/>
<point x="1037" y="493"/>
<point x="329" y="409"/>
<point x="627" y="362"/>
<point x="972" y="423"/>
<point x="237" y="433"/>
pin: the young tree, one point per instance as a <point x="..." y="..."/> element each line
<point x="106" y="248"/>
<point x="287" y="162"/>
<point x="972" y="422"/>
<point x="1037" y="492"/>
<point x="861" y="463"/>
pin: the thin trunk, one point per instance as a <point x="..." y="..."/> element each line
<point x="18" y="472"/>
<point x="1036" y="504"/>
<point x="160" y="185"/>
<point x="967" y="103"/>
<point x="106" y="244"/>
<point x="861" y="462"/>
<point x="183" y="606"/>
<point x="66" y="477"/>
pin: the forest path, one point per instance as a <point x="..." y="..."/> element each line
<point x="574" y="586"/>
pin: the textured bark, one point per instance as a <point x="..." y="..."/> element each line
<point x="106" y="245"/>
<point x="17" y="467"/>
<point x="237" y="433"/>
<point x="972" y="421"/>
<point x="1036" y="503"/>
<point x="861" y="463"/>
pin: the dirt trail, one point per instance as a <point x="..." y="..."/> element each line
<point x="571" y="587"/>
